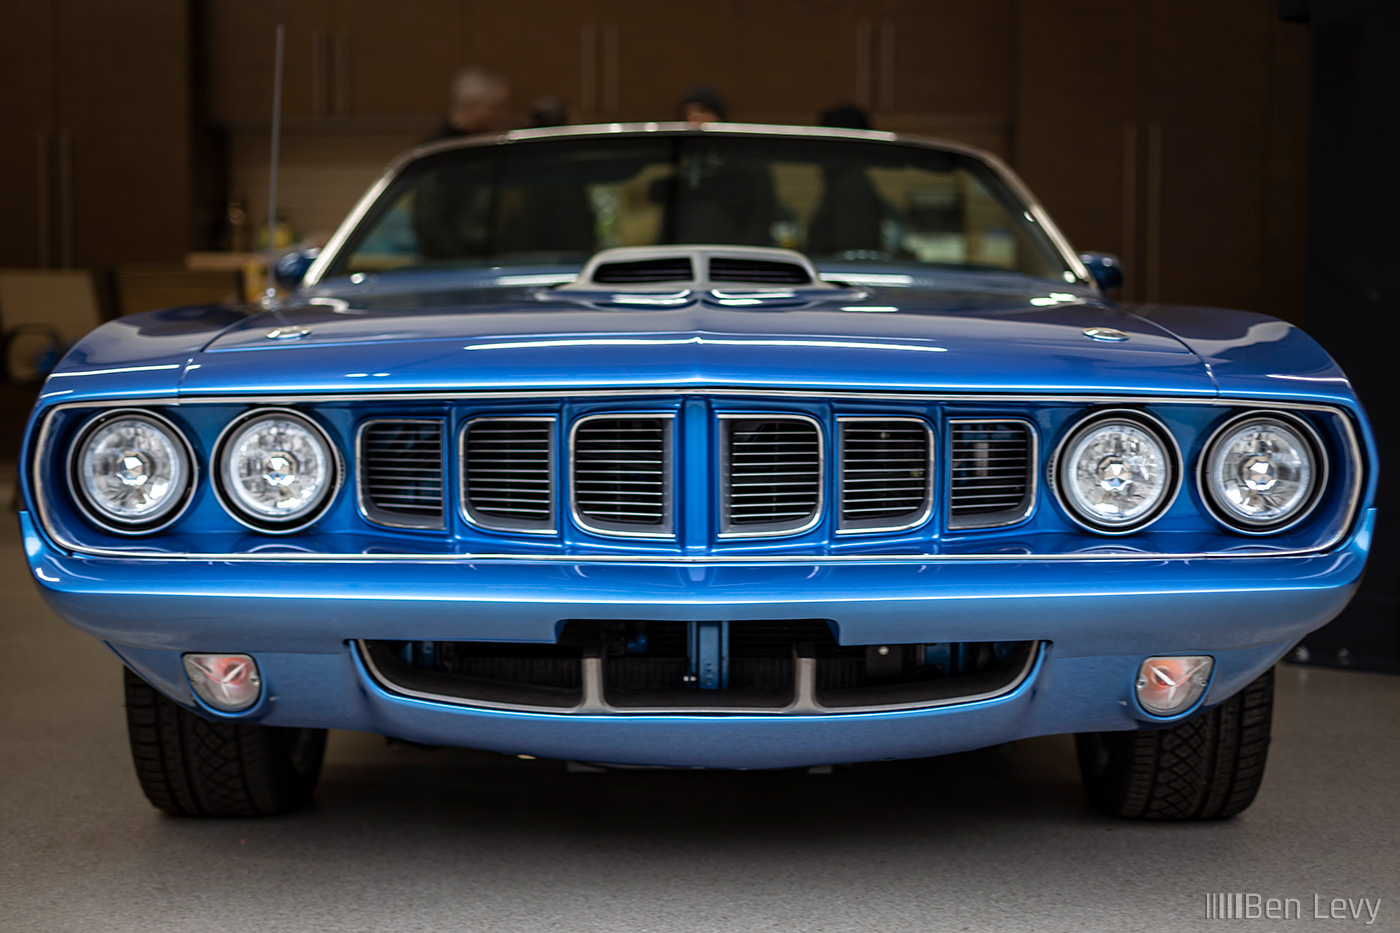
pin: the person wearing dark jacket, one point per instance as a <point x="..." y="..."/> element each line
<point x="452" y="216"/>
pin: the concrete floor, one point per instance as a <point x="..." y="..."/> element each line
<point x="404" y="839"/>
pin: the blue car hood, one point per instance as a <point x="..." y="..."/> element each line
<point x="884" y="340"/>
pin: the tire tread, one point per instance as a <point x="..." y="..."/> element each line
<point x="191" y="766"/>
<point x="1207" y="768"/>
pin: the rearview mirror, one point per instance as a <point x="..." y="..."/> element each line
<point x="292" y="268"/>
<point x="1105" y="268"/>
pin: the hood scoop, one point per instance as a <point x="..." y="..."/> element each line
<point x="696" y="268"/>
<point x="727" y="276"/>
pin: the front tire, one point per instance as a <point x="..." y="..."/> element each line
<point x="191" y="766"/>
<point x="1207" y="768"/>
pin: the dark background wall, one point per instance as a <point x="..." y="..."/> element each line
<point x="1172" y="132"/>
<point x="1352" y="302"/>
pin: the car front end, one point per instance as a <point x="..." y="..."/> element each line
<point x="717" y="518"/>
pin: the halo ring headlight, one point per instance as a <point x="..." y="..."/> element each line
<point x="1116" y="471"/>
<point x="132" y="471"/>
<point x="276" y="470"/>
<point x="1262" y="472"/>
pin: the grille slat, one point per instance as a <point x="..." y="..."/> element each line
<point x="507" y="473"/>
<point x="885" y="473"/>
<point x="621" y="482"/>
<point x="401" y="472"/>
<point x="773" y="481"/>
<point x="992" y="469"/>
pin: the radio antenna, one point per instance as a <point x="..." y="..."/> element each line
<point x="270" y="295"/>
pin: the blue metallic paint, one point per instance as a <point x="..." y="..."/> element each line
<point x="1063" y="694"/>
<point x="958" y="334"/>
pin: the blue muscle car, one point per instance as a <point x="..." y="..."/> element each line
<point x="720" y="447"/>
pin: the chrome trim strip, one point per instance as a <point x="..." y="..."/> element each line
<point x="364" y="508"/>
<point x="818" y="511"/>
<point x="1314" y="496"/>
<point x="272" y="528"/>
<point x="80" y="498"/>
<point x="668" y="479"/>
<point x="810" y="560"/>
<point x="1008" y="177"/>
<point x="929" y="474"/>
<point x="743" y="392"/>
<point x="1032" y="493"/>
<point x="804" y="702"/>
<point x="1351" y="442"/>
<point x="463" y="496"/>
<point x="1154" y="426"/>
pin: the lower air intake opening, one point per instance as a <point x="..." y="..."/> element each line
<point x="791" y="666"/>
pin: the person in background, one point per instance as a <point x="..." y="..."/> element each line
<point x="846" y="116"/>
<point x="849" y="220"/>
<point x="554" y="218"/>
<point x="550" y="111"/>
<point x="702" y="104"/>
<point x="716" y="198"/>
<point x="480" y="104"/>
<point x="452" y="214"/>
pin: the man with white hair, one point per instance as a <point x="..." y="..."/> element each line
<point x="480" y="104"/>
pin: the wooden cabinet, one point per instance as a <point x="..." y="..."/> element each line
<point x="662" y="50"/>
<point x="98" y="137"/>
<point x="795" y="58"/>
<point x="394" y="58"/>
<point x="342" y="58"/>
<point x="123" y="103"/>
<point x="543" y="48"/>
<point x="1078" y="119"/>
<point x="26" y="146"/>
<point x="238" y="43"/>
<point x="1166" y="132"/>
<point x="945" y="56"/>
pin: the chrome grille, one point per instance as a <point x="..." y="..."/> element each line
<point x="508" y="473"/>
<point x="400" y="472"/>
<point x="772" y="475"/>
<point x="621" y="475"/>
<point x="992" y="467"/>
<point x="885" y="473"/>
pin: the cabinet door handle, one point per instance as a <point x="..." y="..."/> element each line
<point x="863" y="64"/>
<point x="67" y="249"/>
<point x="319" y="69"/>
<point x="611" y="41"/>
<point x="1154" y="211"/>
<point x="44" y="184"/>
<point x="342" y="71"/>
<point x="588" y="67"/>
<point x="1128" y="244"/>
<point x="887" y="65"/>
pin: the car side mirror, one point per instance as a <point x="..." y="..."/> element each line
<point x="1105" y="268"/>
<point x="292" y="268"/>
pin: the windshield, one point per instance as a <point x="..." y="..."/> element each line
<point x="561" y="200"/>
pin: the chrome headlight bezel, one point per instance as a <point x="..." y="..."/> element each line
<point x="1141" y="420"/>
<point x="263" y="523"/>
<point x="1314" y="447"/>
<point x="115" y="524"/>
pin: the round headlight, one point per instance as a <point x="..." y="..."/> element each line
<point x="277" y="469"/>
<point x="133" y="470"/>
<point x="1262" y="472"/>
<point x="1117" y="472"/>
